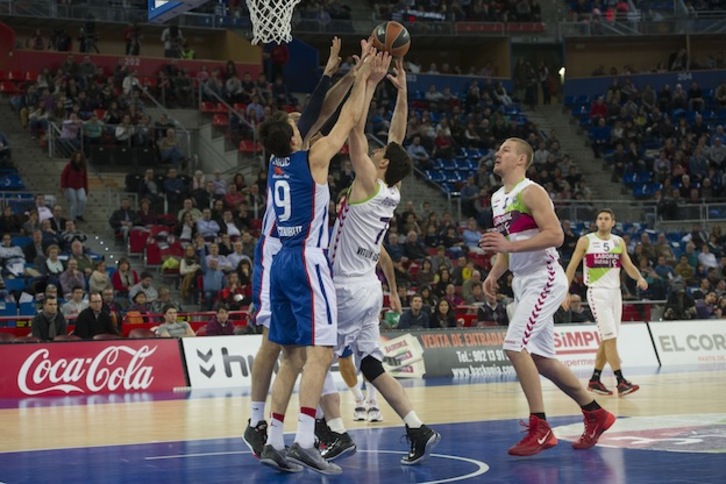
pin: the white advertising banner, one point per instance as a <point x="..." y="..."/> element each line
<point x="576" y="345"/>
<point x="226" y="361"/>
<point x="690" y="342"/>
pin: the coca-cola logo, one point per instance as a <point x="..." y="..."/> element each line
<point x="107" y="371"/>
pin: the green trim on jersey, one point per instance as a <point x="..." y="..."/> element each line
<point x="378" y="189"/>
<point x="518" y="205"/>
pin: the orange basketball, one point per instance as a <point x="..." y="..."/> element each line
<point x="392" y="37"/>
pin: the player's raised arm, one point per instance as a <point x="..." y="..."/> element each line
<point x="323" y="151"/>
<point x="310" y="118"/>
<point x="366" y="173"/>
<point x="399" y="122"/>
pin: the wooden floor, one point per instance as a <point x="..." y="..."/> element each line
<point x="45" y="424"/>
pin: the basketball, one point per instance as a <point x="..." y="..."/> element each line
<point x="391" y="37"/>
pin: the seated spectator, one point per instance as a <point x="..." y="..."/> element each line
<point x="71" y="234"/>
<point x="222" y="262"/>
<point x="113" y="308"/>
<point x="425" y="275"/>
<point x="139" y="309"/>
<point x="413" y="249"/>
<point x="577" y="313"/>
<point x="34" y="250"/>
<point x="418" y="154"/>
<point x="11" y="223"/>
<point x="76" y="303"/>
<point x="125" y="131"/>
<point x="680" y="305"/>
<point x="493" y="311"/>
<point x="476" y="296"/>
<point x="450" y="295"/>
<point x="171" y="328"/>
<point x="414" y="317"/>
<point x="44" y="212"/>
<point x="99" y="279"/>
<point x="170" y="149"/>
<point x="663" y="269"/>
<point x="175" y="189"/>
<point x="70" y="137"/>
<point x="124" y="218"/>
<point x="394" y="249"/>
<point x="469" y="284"/>
<point x="188" y="207"/>
<point x="51" y="266"/>
<point x="164" y="300"/>
<point x="49" y="322"/>
<point x="124" y="278"/>
<point x="707" y="258"/>
<point x="144" y="286"/>
<point x="94" y="320"/>
<point x="443" y="316"/>
<point x="471" y="236"/>
<point x="220" y="324"/>
<point x="235" y="295"/>
<point x="188" y="270"/>
<point x="206" y="226"/>
<point x="58" y="221"/>
<point x="85" y="263"/>
<point x="707" y="306"/>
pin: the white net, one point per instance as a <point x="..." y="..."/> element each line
<point x="271" y="20"/>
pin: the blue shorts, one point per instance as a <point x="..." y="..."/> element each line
<point x="302" y="299"/>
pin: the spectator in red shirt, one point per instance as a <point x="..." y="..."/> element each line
<point x="74" y="182"/>
<point x="598" y="110"/>
<point x="220" y="324"/>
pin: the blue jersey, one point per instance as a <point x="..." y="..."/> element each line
<point x="301" y="204"/>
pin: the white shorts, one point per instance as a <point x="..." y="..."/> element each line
<point x="538" y="295"/>
<point x="606" y="305"/>
<point x="360" y="300"/>
<point x="265" y="251"/>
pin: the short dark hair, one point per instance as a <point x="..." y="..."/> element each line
<point x="77" y="288"/>
<point x="145" y="275"/>
<point x="400" y="164"/>
<point x="605" y="210"/>
<point x="222" y="307"/>
<point x="167" y="307"/>
<point x="275" y="134"/>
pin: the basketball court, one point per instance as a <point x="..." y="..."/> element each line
<point x="672" y="430"/>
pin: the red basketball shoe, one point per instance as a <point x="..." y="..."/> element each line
<point x="596" y="422"/>
<point x="539" y="437"/>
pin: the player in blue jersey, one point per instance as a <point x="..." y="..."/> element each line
<point x="323" y="103"/>
<point x="302" y="297"/>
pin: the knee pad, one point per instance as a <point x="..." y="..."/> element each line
<point x="347" y="371"/>
<point x="371" y="368"/>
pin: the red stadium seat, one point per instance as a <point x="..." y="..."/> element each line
<point x="67" y="337"/>
<point x="8" y="87"/>
<point x="208" y="107"/>
<point x="247" y="146"/>
<point x="31" y="76"/>
<point x="220" y="120"/>
<point x="140" y="333"/>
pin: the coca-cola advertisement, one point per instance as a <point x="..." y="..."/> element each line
<point x="93" y="367"/>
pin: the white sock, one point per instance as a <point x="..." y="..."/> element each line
<point x="357" y="393"/>
<point x="336" y="425"/>
<point x="372" y="392"/>
<point x="305" y="435"/>
<point x="275" y="435"/>
<point x="412" y="420"/>
<point x="319" y="413"/>
<point x="257" y="414"/>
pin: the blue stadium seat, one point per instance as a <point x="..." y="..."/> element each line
<point x="8" y="309"/>
<point x="14" y="284"/>
<point x="29" y="309"/>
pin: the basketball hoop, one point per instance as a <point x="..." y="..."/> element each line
<point x="271" y="20"/>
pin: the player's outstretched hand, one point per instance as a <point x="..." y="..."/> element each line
<point x="334" y="59"/>
<point x="398" y="78"/>
<point x="395" y="302"/>
<point x="566" y="303"/>
<point x="366" y="49"/>
<point x="365" y="66"/>
<point x="379" y="68"/>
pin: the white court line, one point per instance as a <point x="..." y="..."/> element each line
<point x="481" y="466"/>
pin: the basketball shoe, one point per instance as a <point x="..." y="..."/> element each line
<point x="626" y="388"/>
<point x="255" y="437"/>
<point x="323" y="435"/>
<point x="596" y="422"/>
<point x="312" y="459"/>
<point x="374" y="412"/>
<point x="277" y="459"/>
<point x="360" y="413"/>
<point x="596" y="386"/>
<point x="539" y="437"/>
<point x="340" y="447"/>
<point x="422" y="440"/>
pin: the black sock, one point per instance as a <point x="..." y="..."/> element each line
<point x="596" y="375"/>
<point x="539" y="415"/>
<point x="590" y="406"/>
<point x="619" y="375"/>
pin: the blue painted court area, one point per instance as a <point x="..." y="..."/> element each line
<point x="468" y="452"/>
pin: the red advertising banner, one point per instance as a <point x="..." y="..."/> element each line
<point x="92" y="367"/>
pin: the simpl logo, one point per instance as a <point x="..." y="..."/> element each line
<point x="208" y="368"/>
<point x="699" y="433"/>
<point x="576" y="341"/>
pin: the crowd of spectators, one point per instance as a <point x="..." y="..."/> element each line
<point x="458" y="10"/>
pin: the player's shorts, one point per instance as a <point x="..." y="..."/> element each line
<point x="302" y="299"/>
<point x="606" y="305"/>
<point x="265" y="250"/>
<point x="360" y="300"/>
<point x="538" y="295"/>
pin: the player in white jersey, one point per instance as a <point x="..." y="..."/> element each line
<point x="603" y="254"/>
<point x="527" y="232"/>
<point x="355" y="249"/>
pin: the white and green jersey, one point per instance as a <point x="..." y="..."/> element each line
<point x="360" y="227"/>
<point x="602" y="261"/>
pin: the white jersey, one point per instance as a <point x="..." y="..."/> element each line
<point x="602" y="262"/>
<point x="513" y="220"/>
<point x="355" y="246"/>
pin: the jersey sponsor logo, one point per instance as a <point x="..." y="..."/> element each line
<point x="603" y="260"/>
<point x="289" y="231"/>
<point x="368" y="254"/>
<point x="389" y="202"/>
